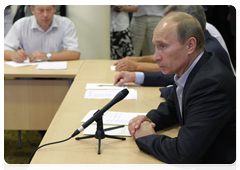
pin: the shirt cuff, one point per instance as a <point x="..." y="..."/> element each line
<point x="139" y="78"/>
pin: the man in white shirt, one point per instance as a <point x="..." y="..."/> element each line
<point x="43" y="36"/>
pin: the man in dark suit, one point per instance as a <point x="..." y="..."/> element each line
<point x="203" y="101"/>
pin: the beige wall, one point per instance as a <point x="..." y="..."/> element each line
<point x="92" y="23"/>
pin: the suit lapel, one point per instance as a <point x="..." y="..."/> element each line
<point x="190" y="78"/>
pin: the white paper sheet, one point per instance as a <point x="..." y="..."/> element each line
<point x="113" y="68"/>
<point x="108" y="94"/>
<point x="60" y="65"/>
<point x="90" y="130"/>
<point x="113" y="117"/>
<point x="16" y="64"/>
<point x="104" y="86"/>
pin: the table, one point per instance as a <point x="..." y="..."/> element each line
<point x="32" y="104"/>
<point x="74" y="107"/>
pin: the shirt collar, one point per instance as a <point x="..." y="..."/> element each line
<point x="180" y="81"/>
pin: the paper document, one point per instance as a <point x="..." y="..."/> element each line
<point x="42" y="65"/>
<point x="104" y="86"/>
<point x="108" y="94"/>
<point x="90" y="130"/>
<point x="17" y="64"/>
<point x="113" y="117"/>
<point x="113" y="68"/>
<point x="60" y="65"/>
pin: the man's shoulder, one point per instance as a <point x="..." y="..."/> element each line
<point x="25" y="20"/>
<point x="61" y="19"/>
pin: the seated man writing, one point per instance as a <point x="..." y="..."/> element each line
<point x="42" y="36"/>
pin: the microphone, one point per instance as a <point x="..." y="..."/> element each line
<point x="121" y="95"/>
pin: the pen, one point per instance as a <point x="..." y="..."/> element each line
<point x="22" y="47"/>
<point x="115" y="127"/>
<point x="101" y="85"/>
<point x="23" y="50"/>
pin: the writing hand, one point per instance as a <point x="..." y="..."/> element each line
<point x="20" y="56"/>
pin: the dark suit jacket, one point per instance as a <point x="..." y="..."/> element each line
<point x="208" y="124"/>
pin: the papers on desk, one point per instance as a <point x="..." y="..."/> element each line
<point x="108" y="94"/>
<point x="42" y="65"/>
<point x="16" y="64"/>
<point x="90" y="130"/>
<point x="113" y="68"/>
<point x="104" y="86"/>
<point x="60" y="65"/>
<point x="106" y="91"/>
<point x="114" y="118"/>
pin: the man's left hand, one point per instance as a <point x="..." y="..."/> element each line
<point x="38" y="55"/>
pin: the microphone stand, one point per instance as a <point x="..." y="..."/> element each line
<point x="99" y="134"/>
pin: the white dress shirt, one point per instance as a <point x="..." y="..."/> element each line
<point x="26" y="32"/>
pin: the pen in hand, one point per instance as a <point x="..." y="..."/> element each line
<point x="24" y="50"/>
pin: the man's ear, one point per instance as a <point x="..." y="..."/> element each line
<point x="54" y="8"/>
<point x="191" y="45"/>
<point x="32" y="9"/>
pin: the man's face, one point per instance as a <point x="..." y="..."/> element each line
<point x="44" y="15"/>
<point x="171" y="56"/>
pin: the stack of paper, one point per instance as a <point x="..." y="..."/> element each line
<point x="42" y="65"/>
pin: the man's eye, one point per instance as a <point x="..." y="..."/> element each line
<point x="161" y="46"/>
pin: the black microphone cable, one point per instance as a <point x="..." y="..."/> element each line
<point x="121" y="95"/>
<point x="74" y="134"/>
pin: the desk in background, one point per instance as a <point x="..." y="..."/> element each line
<point x="32" y="104"/>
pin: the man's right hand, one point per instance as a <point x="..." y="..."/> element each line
<point x="124" y="77"/>
<point x="20" y="56"/>
<point x="136" y="122"/>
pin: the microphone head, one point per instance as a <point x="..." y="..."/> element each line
<point x="124" y="92"/>
<point x="121" y="95"/>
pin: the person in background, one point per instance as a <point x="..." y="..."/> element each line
<point x="232" y="20"/>
<point x="142" y="25"/>
<point x="42" y="36"/>
<point x="8" y="19"/>
<point x="121" y="41"/>
<point x="203" y="101"/>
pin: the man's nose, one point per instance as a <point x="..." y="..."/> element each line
<point x="45" y="13"/>
<point x="157" y="56"/>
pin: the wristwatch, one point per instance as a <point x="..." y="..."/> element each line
<point x="49" y="56"/>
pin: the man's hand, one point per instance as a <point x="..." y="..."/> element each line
<point x="38" y="55"/>
<point x="126" y="64"/>
<point x="145" y="129"/>
<point x="136" y="123"/>
<point x="124" y="77"/>
<point x="20" y="56"/>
